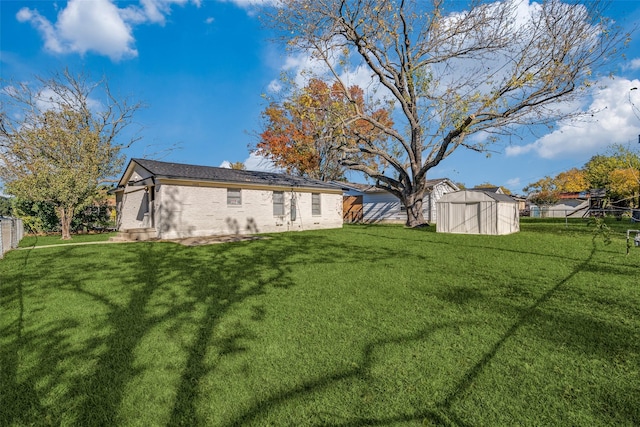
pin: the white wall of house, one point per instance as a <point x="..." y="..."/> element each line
<point x="132" y="203"/>
<point x="186" y="210"/>
<point x="573" y="208"/>
<point x="133" y="208"/>
<point x="431" y="198"/>
<point x="382" y="207"/>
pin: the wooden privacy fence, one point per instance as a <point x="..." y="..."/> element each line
<point x="11" y="231"/>
<point x="352" y="209"/>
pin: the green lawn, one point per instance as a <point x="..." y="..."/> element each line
<point x="54" y="239"/>
<point x="367" y="325"/>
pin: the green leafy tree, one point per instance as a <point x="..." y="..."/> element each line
<point x="5" y="206"/>
<point x="543" y="193"/>
<point x="618" y="173"/>
<point x="59" y="141"/>
<point x="38" y="217"/>
<point x="450" y="74"/>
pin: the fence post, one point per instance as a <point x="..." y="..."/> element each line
<point x="1" y="238"/>
<point x="14" y="231"/>
<point x="11" y="232"/>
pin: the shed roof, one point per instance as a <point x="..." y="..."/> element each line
<point x="171" y="170"/>
<point x="475" y="195"/>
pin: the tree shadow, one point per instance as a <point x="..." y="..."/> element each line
<point x="443" y="412"/>
<point x="214" y="280"/>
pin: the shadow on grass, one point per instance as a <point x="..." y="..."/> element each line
<point x="213" y="278"/>
<point x="213" y="281"/>
<point x="443" y="413"/>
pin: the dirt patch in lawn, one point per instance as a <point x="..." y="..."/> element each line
<point x="210" y="240"/>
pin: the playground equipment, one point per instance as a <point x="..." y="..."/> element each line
<point x="636" y="239"/>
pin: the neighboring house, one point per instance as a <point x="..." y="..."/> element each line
<point x="172" y="200"/>
<point x="367" y="203"/>
<point x="521" y="200"/>
<point x="477" y="212"/>
<point x="572" y="205"/>
<point x="496" y="190"/>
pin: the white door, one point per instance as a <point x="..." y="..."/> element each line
<point x="465" y="218"/>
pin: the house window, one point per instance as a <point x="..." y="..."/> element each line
<point x="234" y="197"/>
<point x="278" y="203"/>
<point x="315" y="204"/>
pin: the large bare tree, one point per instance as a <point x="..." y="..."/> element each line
<point x="457" y="78"/>
<point x="60" y="138"/>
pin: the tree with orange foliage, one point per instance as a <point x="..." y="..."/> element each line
<point x="618" y="173"/>
<point x="572" y="181"/>
<point x="300" y="133"/>
<point x="624" y="183"/>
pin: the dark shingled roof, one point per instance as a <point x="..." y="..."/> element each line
<point x="498" y="197"/>
<point x="210" y="173"/>
<point x="369" y="188"/>
<point x="486" y="189"/>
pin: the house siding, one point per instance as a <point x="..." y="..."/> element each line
<point x="573" y="208"/>
<point x="383" y="207"/>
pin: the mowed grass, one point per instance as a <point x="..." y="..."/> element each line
<point x="33" y="240"/>
<point x="367" y="325"/>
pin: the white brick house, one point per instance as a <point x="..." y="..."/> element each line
<point x="172" y="200"/>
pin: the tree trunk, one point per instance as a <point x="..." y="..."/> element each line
<point x="415" y="217"/>
<point x="66" y="215"/>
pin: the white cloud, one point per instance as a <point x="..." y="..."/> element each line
<point x="615" y="122"/>
<point x="633" y="65"/>
<point x="45" y="28"/>
<point x="98" y="26"/>
<point x="256" y="162"/>
<point x="302" y="66"/>
<point x="226" y="164"/>
<point x="247" y="4"/>
<point x="513" y="183"/>
<point x="274" y="86"/>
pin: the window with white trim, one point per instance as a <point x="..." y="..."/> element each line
<point x="315" y="204"/>
<point x="234" y="197"/>
<point x="278" y="203"/>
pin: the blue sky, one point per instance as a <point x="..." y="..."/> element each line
<point x="201" y="67"/>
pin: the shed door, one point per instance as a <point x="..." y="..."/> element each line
<point x="465" y="218"/>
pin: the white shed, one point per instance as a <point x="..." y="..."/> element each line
<point x="477" y="212"/>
